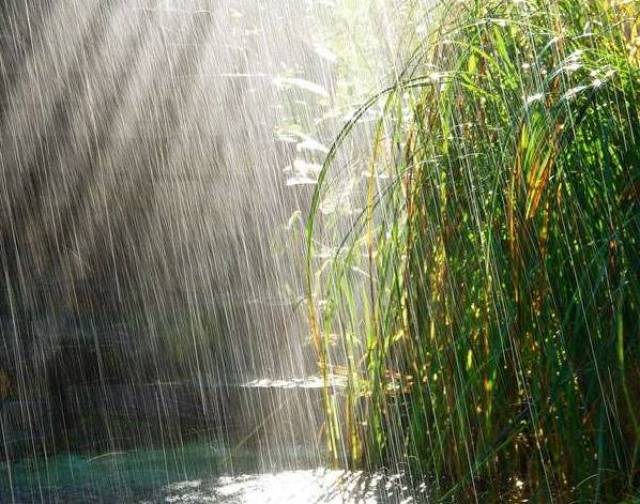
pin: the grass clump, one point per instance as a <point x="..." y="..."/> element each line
<point x="484" y="304"/>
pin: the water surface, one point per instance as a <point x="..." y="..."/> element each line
<point x="195" y="473"/>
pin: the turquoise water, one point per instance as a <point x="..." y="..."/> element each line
<point x="110" y="477"/>
<point x="195" y="473"/>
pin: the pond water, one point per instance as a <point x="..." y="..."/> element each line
<point x="196" y="473"/>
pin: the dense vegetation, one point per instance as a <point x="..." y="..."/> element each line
<point x="484" y="305"/>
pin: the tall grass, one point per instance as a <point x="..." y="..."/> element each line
<point x="484" y="305"/>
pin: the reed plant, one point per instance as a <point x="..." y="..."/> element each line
<point x="484" y="301"/>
